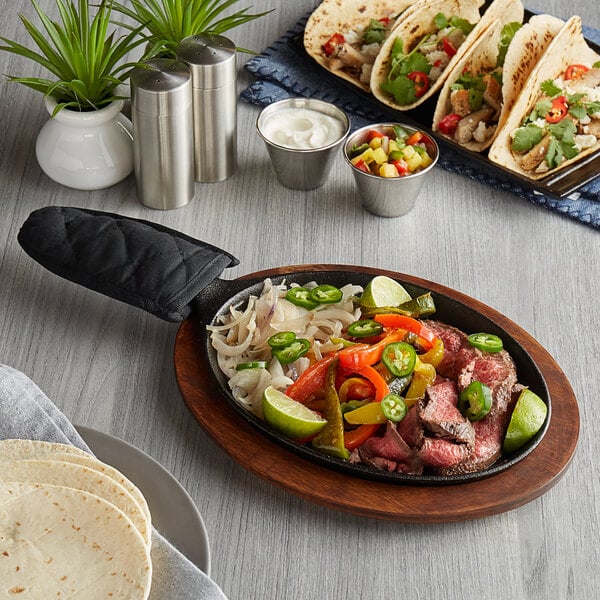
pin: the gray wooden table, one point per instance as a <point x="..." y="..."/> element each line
<point x="110" y="367"/>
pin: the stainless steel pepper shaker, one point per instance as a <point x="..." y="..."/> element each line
<point x="162" y="117"/>
<point x="211" y="59"/>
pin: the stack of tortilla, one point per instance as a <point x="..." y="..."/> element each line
<point x="70" y="525"/>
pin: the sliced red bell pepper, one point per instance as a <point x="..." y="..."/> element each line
<point x="379" y="383"/>
<point x="311" y="380"/>
<point x="357" y="437"/>
<point x="427" y="337"/>
<point x="356" y="357"/>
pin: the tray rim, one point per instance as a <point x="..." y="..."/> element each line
<point x="521" y="483"/>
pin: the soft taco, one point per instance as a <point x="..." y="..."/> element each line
<point x="555" y="121"/>
<point x="426" y="44"/>
<point x="344" y="36"/>
<point x="481" y="88"/>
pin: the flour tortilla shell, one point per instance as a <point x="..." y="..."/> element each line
<point x="17" y="449"/>
<point x="58" y="542"/>
<point x="567" y="47"/>
<point x="419" y="22"/>
<point x="57" y="472"/>
<point x="342" y="16"/>
<point x="526" y="48"/>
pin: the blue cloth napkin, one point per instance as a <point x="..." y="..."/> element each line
<point x="27" y="413"/>
<point x="284" y="70"/>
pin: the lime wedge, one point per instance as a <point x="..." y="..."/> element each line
<point x="384" y="291"/>
<point x="290" y="418"/>
<point x="527" y="419"/>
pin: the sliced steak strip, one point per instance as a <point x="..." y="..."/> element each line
<point x="381" y="451"/>
<point x="411" y="429"/>
<point x="440" y="454"/>
<point x="439" y="414"/>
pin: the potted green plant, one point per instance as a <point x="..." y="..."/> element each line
<point x="170" y="21"/>
<point x="86" y="60"/>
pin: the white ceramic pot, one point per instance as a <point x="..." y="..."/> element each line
<point x="86" y="150"/>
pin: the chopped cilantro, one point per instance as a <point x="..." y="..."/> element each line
<point x="441" y="21"/>
<point x="527" y="137"/>
<point x="564" y="130"/>
<point x="401" y="88"/>
<point x="550" y="88"/>
<point x="593" y="108"/>
<point x="375" y="32"/>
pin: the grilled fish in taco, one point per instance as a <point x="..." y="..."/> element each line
<point x="482" y="88"/>
<point x="345" y="36"/>
<point x="556" y="119"/>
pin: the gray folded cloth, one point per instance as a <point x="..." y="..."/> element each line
<point x="284" y="70"/>
<point x="27" y="413"/>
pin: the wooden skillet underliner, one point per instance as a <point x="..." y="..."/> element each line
<point x="521" y="483"/>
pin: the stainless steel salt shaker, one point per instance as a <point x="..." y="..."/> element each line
<point x="162" y="117"/>
<point x="211" y="59"/>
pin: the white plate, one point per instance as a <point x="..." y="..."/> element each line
<point x="174" y="513"/>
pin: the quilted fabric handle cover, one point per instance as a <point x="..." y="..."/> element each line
<point x="138" y="262"/>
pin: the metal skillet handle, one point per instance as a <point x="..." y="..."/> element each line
<point x="138" y="262"/>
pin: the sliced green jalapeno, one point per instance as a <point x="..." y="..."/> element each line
<point x="364" y="328"/>
<point x="475" y="401"/>
<point x="281" y="339"/>
<point x="299" y="347"/>
<point x="399" y="358"/>
<point x="488" y="342"/>
<point x="393" y="407"/>
<point x="300" y="296"/>
<point x="326" y="294"/>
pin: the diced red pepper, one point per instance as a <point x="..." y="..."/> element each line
<point x="311" y="380"/>
<point x="449" y="123"/>
<point x="401" y="166"/>
<point x="361" y="165"/>
<point x="427" y="337"/>
<point x="385" y="20"/>
<point x="576" y="71"/>
<point x="373" y="133"/>
<point x="337" y="39"/>
<point x="558" y="111"/>
<point x="421" y="81"/>
<point x="354" y="358"/>
<point x="415" y="138"/>
<point x="448" y="47"/>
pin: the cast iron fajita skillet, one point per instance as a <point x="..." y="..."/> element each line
<point x="176" y="278"/>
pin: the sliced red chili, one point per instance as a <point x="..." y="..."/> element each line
<point x="449" y="123"/>
<point x="421" y="81"/>
<point x="448" y="47"/>
<point x="337" y="39"/>
<point x="399" y="322"/>
<point x="576" y="71"/>
<point x="558" y="111"/>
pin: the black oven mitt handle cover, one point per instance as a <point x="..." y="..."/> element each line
<point x="141" y="263"/>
